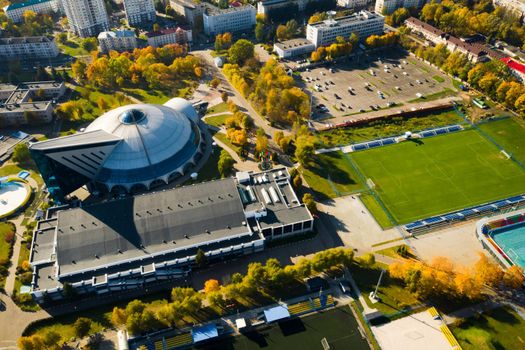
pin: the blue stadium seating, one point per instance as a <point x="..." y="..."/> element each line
<point x="464" y="214"/>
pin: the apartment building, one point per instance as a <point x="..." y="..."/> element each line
<point x="120" y="40"/>
<point x="233" y="19"/>
<point x="353" y="4"/>
<point x="190" y="10"/>
<point x="15" y="11"/>
<point x="28" y="47"/>
<point x="386" y="7"/>
<point x="86" y="17"/>
<point x="139" y="11"/>
<point x="363" y="23"/>
<point x="169" y="36"/>
<point x="266" y="6"/>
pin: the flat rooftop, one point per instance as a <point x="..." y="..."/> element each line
<point x="136" y="227"/>
<point x="213" y="10"/>
<point x="289" y="44"/>
<point x="347" y="20"/>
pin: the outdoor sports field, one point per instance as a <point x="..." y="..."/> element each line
<point x="338" y="326"/>
<point x="420" y="178"/>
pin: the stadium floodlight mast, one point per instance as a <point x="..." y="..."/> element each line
<point x="373" y="295"/>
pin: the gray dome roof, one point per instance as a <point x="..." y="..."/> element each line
<point x="184" y="106"/>
<point x="158" y="133"/>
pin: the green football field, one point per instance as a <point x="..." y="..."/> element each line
<point x="440" y="174"/>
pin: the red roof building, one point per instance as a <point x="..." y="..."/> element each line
<point x="517" y="68"/>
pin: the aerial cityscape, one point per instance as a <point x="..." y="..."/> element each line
<point x="266" y="174"/>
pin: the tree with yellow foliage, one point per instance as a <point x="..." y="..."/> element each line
<point x="211" y="285"/>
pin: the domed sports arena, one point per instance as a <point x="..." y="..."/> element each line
<point x="127" y="149"/>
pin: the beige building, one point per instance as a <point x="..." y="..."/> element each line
<point x="120" y="40"/>
<point x="190" y="10"/>
<point x="169" y="36"/>
<point x="28" y="47"/>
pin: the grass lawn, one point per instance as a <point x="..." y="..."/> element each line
<point x="210" y="171"/>
<point x="338" y="326"/>
<point x="217" y="120"/>
<point x="147" y="96"/>
<point x="219" y="108"/>
<point x="393" y="251"/>
<point x="5" y="248"/>
<point x="224" y="139"/>
<point x="332" y="175"/>
<point x="501" y="328"/>
<point x="383" y="128"/>
<point x="438" y="78"/>
<point x="439" y="174"/>
<point x="435" y="96"/>
<point x="377" y="211"/>
<point x="71" y="48"/>
<point x="392" y="293"/>
<point x="510" y="134"/>
<point x="89" y="98"/>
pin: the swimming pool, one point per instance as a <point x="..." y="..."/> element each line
<point x="504" y="238"/>
<point x="511" y="239"/>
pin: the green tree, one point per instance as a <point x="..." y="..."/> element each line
<point x="51" y="339"/>
<point x="259" y="31"/>
<point x="297" y="182"/>
<point x="21" y="153"/>
<point x="61" y="38"/>
<point x="89" y="44"/>
<point x="81" y="327"/>
<point x="224" y="96"/>
<point x="200" y="258"/>
<point x="225" y="164"/>
<point x="239" y="52"/>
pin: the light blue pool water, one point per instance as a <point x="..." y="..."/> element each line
<point x="512" y="241"/>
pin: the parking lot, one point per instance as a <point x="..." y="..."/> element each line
<point x="373" y="82"/>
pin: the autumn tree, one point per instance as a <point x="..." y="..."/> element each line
<point x="118" y="316"/>
<point x="200" y="258"/>
<point x="261" y="142"/>
<point x="487" y="271"/>
<point x="310" y="203"/>
<point x="513" y="277"/>
<point x="211" y="285"/>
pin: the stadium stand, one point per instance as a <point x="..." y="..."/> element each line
<point x="177" y="341"/>
<point x="373" y="144"/>
<point x="440" y="131"/>
<point x="391" y="140"/>
<point x="450" y="337"/>
<point x="435" y="222"/>
<point x="311" y="305"/>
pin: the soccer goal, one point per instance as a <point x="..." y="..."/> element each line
<point x="505" y="154"/>
<point x="370" y="183"/>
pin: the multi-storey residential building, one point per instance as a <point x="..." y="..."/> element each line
<point x="363" y="23"/>
<point x="353" y="4"/>
<point x="233" y="19"/>
<point x="169" y="36"/>
<point x="19" y="106"/>
<point x="517" y="6"/>
<point x="86" y="17"/>
<point x="139" y="11"/>
<point x="190" y="10"/>
<point x="16" y="10"/>
<point x="266" y="6"/>
<point x="29" y="47"/>
<point x="120" y="40"/>
<point x="386" y="7"/>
